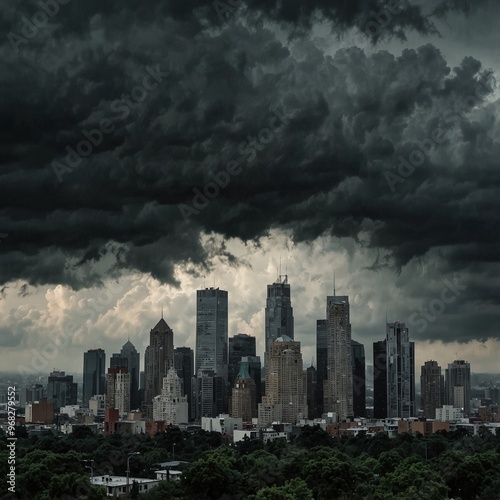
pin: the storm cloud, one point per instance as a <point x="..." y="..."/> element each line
<point x="121" y="121"/>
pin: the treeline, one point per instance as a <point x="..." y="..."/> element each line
<point x="445" y="465"/>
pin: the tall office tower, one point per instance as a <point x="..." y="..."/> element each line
<point x="285" y="382"/>
<point x="279" y="312"/>
<point x="400" y="372"/>
<point x="338" y="396"/>
<point x="255" y="370"/>
<point x="209" y="395"/>
<point x="322" y="361"/>
<point x="358" y="378"/>
<point x="311" y="390"/>
<point x="160" y="357"/>
<point x="184" y="366"/>
<point x="94" y="374"/>
<point x="61" y="389"/>
<point x="239" y="346"/>
<point x="432" y="388"/>
<point x="35" y="392"/>
<point x="129" y="352"/>
<point x="243" y="399"/>
<point x="171" y="406"/>
<point x="211" y="331"/>
<point x="118" y="361"/>
<point x="380" y="379"/>
<point x="118" y="390"/>
<point x="458" y="388"/>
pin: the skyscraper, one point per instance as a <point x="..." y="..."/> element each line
<point x="311" y="390"/>
<point x="118" y="390"/>
<point x="338" y="396"/>
<point x="400" y="372"/>
<point x="129" y="352"/>
<point x="184" y="366"/>
<point x="255" y="370"/>
<point x="279" y="312"/>
<point x="160" y="357"/>
<point x="243" y="398"/>
<point x="458" y="388"/>
<point x="94" y="374"/>
<point x="285" y="382"/>
<point x="358" y="378"/>
<point x="380" y="379"/>
<point x="322" y="361"/>
<point x="212" y="331"/>
<point x="432" y="388"/>
<point x="61" y="389"/>
<point x="171" y="406"/>
<point x="239" y="346"/>
<point x="208" y="395"/>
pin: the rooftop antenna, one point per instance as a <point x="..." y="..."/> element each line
<point x="162" y="312"/>
<point x="386" y="308"/>
<point x="204" y="282"/>
<point x="334" y="294"/>
<point x="279" y="275"/>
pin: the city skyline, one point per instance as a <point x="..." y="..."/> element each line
<point x="421" y="358"/>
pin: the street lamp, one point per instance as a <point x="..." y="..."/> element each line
<point x="173" y="452"/>
<point x="91" y="469"/>
<point x="128" y="464"/>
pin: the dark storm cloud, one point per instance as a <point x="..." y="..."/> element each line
<point x="348" y="120"/>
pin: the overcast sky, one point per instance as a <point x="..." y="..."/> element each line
<point x="342" y="135"/>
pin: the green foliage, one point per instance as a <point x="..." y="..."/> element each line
<point x="296" y="489"/>
<point x="442" y="466"/>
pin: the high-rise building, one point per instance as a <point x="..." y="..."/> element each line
<point x="118" y="390"/>
<point x="94" y="374"/>
<point x="212" y="331"/>
<point x="61" y="389"/>
<point x="118" y="361"/>
<point x="431" y="388"/>
<point x="35" y="392"/>
<point x="338" y="395"/>
<point x="255" y="371"/>
<point x="311" y="390"/>
<point x="285" y="382"/>
<point x="322" y="361"/>
<point x="400" y="372"/>
<point x="279" y="312"/>
<point x="380" y="379"/>
<point x="208" y="395"/>
<point x="129" y="352"/>
<point x="171" y="406"/>
<point x="358" y="378"/>
<point x="239" y="346"/>
<point x="184" y="366"/>
<point x="458" y="376"/>
<point x="160" y="357"/>
<point x="243" y="399"/>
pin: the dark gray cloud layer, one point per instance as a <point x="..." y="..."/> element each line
<point x="400" y="153"/>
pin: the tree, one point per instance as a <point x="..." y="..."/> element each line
<point x="296" y="489"/>
<point x="312" y="436"/>
<point x="212" y="476"/>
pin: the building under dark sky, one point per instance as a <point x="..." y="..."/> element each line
<point x="94" y="374"/>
